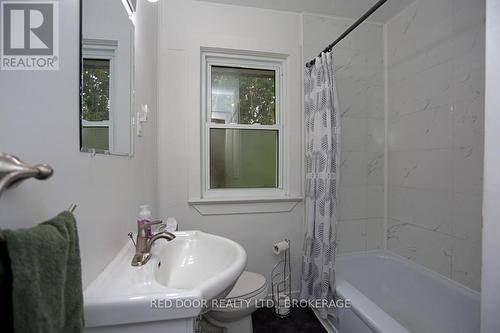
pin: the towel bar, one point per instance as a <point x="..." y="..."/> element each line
<point x="72" y="208"/>
<point x="13" y="171"/>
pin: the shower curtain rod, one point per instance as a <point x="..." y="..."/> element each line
<point x="349" y="30"/>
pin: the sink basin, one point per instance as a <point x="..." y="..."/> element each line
<point x="198" y="261"/>
<point x="195" y="266"/>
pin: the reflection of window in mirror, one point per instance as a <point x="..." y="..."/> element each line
<point x="97" y="99"/>
<point x="107" y="77"/>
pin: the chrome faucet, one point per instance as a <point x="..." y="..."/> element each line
<point x="143" y="243"/>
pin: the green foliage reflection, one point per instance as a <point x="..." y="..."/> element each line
<point x="95" y="95"/>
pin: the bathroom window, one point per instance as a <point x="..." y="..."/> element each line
<point x="242" y="126"/>
<point x="97" y="99"/>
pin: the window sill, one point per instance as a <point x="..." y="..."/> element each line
<point x="230" y="206"/>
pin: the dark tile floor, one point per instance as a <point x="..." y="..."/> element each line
<point x="300" y="321"/>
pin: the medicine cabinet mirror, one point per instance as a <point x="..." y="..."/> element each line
<point x="107" y="77"/>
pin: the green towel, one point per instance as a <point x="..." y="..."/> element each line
<point x="6" y="321"/>
<point x="46" y="270"/>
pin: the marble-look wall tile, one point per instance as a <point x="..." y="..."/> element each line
<point x="466" y="208"/>
<point x="468" y="48"/>
<point x="361" y="202"/>
<point x="428" y="209"/>
<point x="422" y="90"/>
<point x="362" y="135"/>
<point x="361" y="168"/>
<point x="468" y="112"/>
<point x="374" y="234"/>
<point x="467" y="163"/>
<point x="422" y="26"/>
<point x="375" y="168"/>
<point x="435" y="55"/>
<point x="430" y="169"/>
<point x="435" y="74"/>
<point x="353" y="168"/>
<point x="360" y="101"/>
<point x="425" y="247"/>
<point x="359" y="73"/>
<point x="351" y="236"/>
<point x="360" y="235"/>
<point x="353" y="135"/>
<point x="360" y="84"/>
<point x="466" y="263"/>
<point x="375" y="135"/>
<point x="468" y="13"/>
<point x="431" y="128"/>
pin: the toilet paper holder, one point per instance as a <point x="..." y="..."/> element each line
<point x="281" y="286"/>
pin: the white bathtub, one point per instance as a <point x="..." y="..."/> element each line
<point x="391" y="294"/>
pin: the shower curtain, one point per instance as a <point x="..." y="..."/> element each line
<point x="322" y="144"/>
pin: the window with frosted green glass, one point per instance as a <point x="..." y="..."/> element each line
<point x="243" y="158"/>
<point x="95" y="137"/>
<point x="243" y="96"/>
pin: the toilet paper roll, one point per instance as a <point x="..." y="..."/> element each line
<point x="280" y="247"/>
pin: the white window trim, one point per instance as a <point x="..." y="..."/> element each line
<point x="248" y="194"/>
<point x="103" y="123"/>
<point x="107" y="51"/>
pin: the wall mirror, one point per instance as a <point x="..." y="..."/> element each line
<point x="107" y="77"/>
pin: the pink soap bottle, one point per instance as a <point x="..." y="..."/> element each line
<point x="145" y="217"/>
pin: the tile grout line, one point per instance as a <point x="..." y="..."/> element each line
<point x="429" y="229"/>
<point x="386" y="137"/>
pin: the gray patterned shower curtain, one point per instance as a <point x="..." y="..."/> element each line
<point x="322" y="144"/>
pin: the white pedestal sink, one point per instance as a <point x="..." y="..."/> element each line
<point x="176" y="285"/>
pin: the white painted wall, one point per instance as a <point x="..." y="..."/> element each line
<point x="435" y="56"/>
<point x="490" y="300"/>
<point x="186" y="26"/>
<point x="39" y="123"/>
<point x="359" y="74"/>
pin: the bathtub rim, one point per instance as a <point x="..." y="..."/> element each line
<point x="369" y="312"/>
<point x="388" y="254"/>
